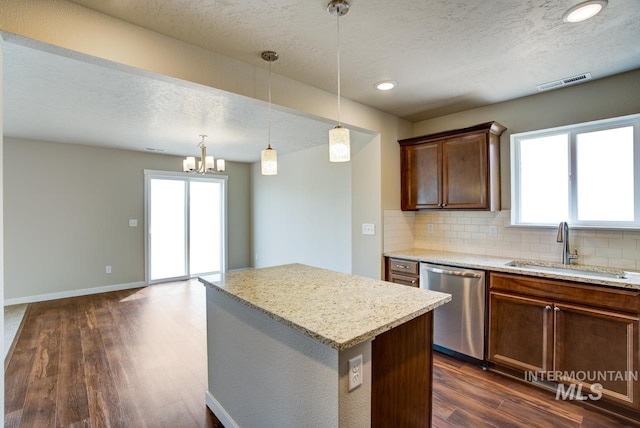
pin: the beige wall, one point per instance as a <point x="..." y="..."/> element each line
<point x="67" y="208"/>
<point x="594" y="100"/>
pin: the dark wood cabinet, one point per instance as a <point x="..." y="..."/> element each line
<point x="556" y="327"/>
<point x="401" y="271"/>
<point x="457" y="169"/>
<point x="519" y="332"/>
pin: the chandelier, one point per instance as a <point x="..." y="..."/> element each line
<point x="206" y="164"/>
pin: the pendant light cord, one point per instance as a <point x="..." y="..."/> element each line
<point x="338" y="19"/>
<point x="269" y="142"/>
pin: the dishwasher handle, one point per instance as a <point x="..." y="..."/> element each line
<point x="452" y="272"/>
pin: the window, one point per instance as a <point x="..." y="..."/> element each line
<point x="587" y="174"/>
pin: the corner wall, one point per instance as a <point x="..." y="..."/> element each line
<point x="303" y="214"/>
<point x="1" y="228"/>
<point x="66" y="218"/>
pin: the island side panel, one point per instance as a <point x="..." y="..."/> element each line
<point x="263" y="373"/>
<point x="402" y="373"/>
<point x="355" y="405"/>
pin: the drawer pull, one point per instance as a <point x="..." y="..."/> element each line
<point x="402" y="266"/>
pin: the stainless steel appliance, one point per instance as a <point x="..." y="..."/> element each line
<point x="458" y="326"/>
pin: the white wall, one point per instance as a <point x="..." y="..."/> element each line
<point x="366" y="202"/>
<point x="264" y="374"/>
<point x="303" y="214"/>
<point x="1" y="231"/>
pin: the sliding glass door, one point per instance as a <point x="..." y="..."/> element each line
<point x="185" y="226"/>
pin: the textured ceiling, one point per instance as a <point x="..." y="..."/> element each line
<point x="446" y="55"/>
<point x="50" y="97"/>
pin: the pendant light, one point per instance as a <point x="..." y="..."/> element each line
<point x="269" y="157"/>
<point x="339" y="144"/>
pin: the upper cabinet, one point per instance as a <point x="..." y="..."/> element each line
<point x="458" y="169"/>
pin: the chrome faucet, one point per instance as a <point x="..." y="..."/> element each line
<point x="563" y="236"/>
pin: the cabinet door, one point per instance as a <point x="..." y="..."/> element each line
<point x="599" y="347"/>
<point x="420" y="176"/>
<point x="464" y="172"/>
<point x="520" y="332"/>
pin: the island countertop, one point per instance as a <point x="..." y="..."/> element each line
<point x="337" y="309"/>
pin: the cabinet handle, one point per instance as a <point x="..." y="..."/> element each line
<point x="547" y="308"/>
<point x="402" y="266"/>
<point x="556" y="309"/>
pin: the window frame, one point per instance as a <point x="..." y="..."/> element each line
<point x="186" y="178"/>
<point x="572" y="180"/>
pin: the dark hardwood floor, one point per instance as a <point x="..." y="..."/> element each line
<point x="137" y="358"/>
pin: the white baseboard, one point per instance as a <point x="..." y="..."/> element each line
<point x="73" y="293"/>
<point x="219" y="411"/>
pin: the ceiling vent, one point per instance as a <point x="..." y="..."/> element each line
<point x="567" y="81"/>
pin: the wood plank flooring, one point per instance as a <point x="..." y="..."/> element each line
<point x="137" y="358"/>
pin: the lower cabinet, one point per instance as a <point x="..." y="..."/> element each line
<point x="401" y="271"/>
<point x="520" y="332"/>
<point x="585" y="338"/>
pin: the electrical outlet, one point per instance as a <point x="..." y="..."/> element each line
<point x="107" y="269"/>
<point x="133" y="222"/>
<point x="368" y="229"/>
<point x="430" y="228"/>
<point x="355" y="372"/>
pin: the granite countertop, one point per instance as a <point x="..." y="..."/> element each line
<point x="500" y="264"/>
<point x="337" y="309"/>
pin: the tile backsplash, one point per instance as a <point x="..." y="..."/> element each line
<point x="490" y="233"/>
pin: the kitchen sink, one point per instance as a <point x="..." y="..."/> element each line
<point x="569" y="269"/>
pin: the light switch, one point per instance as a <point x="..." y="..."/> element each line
<point x="133" y="222"/>
<point x="368" y="229"/>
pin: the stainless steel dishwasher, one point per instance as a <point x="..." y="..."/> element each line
<point x="458" y="326"/>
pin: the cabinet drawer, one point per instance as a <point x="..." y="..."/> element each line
<point x="412" y="281"/>
<point x="404" y="266"/>
<point x="597" y="296"/>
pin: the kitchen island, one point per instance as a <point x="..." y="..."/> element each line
<point x="280" y="341"/>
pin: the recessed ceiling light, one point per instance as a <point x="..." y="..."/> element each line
<point x="583" y="11"/>
<point x="385" y="85"/>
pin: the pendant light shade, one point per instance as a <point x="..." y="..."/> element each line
<point x="339" y="141"/>
<point x="339" y="145"/>
<point x="269" y="161"/>
<point x="269" y="157"/>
